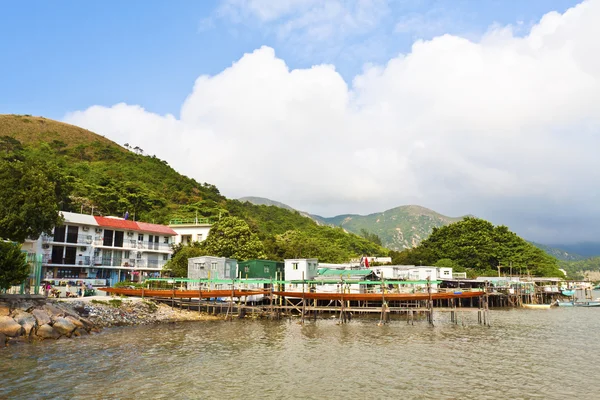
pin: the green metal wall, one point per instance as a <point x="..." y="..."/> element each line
<point x="257" y="269"/>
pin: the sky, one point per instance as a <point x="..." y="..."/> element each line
<point x="483" y="107"/>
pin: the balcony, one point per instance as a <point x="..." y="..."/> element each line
<point x="77" y="261"/>
<point x="136" y="244"/>
<point x="70" y="239"/>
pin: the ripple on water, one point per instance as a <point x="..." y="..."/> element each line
<point x="525" y="354"/>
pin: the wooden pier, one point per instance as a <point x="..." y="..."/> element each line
<point x="275" y="304"/>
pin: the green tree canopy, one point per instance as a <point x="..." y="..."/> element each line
<point x="13" y="265"/>
<point x="231" y="237"/>
<point x="476" y="244"/>
<point x="32" y="189"/>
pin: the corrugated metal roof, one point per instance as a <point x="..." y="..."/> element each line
<point x="344" y="272"/>
<point x="156" y="228"/>
<point x="82" y="219"/>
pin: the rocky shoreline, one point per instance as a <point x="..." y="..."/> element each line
<point x="30" y="320"/>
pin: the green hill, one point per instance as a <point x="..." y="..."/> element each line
<point x="108" y="179"/>
<point x="398" y="228"/>
<point x="560" y="254"/>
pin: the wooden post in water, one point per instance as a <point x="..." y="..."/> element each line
<point x="383" y="305"/>
<point x="173" y="295"/>
<point x="199" y="296"/>
<point x="430" y="301"/>
<point x="303" y="300"/>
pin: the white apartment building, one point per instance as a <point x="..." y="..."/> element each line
<point x="189" y="231"/>
<point x="297" y="269"/>
<point x="96" y="248"/>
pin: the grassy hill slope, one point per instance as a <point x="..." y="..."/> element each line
<point x="110" y="180"/>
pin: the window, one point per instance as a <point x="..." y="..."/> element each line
<point x="139" y="255"/>
<point x="266" y="269"/>
<point x="200" y="237"/>
<point x="201" y="265"/>
<point x="295" y="266"/>
<point x="213" y="266"/>
<point x="126" y="254"/>
<point x="446" y="272"/>
<point x="108" y="238"/>
<point x="166" y="240"/>
<point x="140" y="237"/>
<point x="246" y="269"/>
<point x="165" y="257"/>
<point x="118" y="238"/>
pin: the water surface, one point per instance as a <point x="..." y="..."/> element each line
<point x="525" y="354"/>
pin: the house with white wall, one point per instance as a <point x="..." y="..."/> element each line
<point x="297" y="269"/>
<point x="190" y="230"/>
<point x="213" y="268"/>
<point x="103" y="250"/>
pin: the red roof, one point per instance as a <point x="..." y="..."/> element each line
<point x="117" y="223"/>
<point x="134" y="226"/>
<point x="156" y="228"/>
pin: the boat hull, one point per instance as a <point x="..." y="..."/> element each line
<point x="537" y="306"/>
<point x="578" y="304"/>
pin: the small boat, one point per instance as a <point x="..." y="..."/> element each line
<point x="568" y="293"/>
<point x="537" y="306"/>
<point x="578" y="303"/>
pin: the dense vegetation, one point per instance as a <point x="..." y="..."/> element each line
<point x="575" y="269"/>
<point x="108" y="179"/>
<point x="480" y="248"/>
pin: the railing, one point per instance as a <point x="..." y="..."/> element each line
<point x="191" y="221"/>
<point x="84" y="239"/>
<point x="137" y="244"/>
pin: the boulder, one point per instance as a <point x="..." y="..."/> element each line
<point x="87" y="324"/>
<point x="4" y="309"/>
<point x="53" y="311"/>
<point x="64" y="326"/>
<point x="26" y="320"/>
<point x="47" y="332"/>
<point x="23" y="306"/>
<point x="81" y="332"/>
<point x="74" y="321"/>
<point x="41" y="317"/>
<point x="10" y="327"/>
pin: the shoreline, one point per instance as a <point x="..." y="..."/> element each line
<point x="28" y="320"/>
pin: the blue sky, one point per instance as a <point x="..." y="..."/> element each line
<point x="67" y="55"/>
<point x="484" y="107"/>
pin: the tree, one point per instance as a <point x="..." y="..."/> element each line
<point x="13" y="265"/>
<point x="231" y="237"/>
<point x="477" y="245"/>
<point x="32" y="189"/>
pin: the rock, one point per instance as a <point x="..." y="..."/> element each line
<point x="53" y="311"/>
<point x="26" y="320"/>
<point x="47" y="332"/>
<point x="64" y="326"/>
<point x="10" y="327"/>
<point x="75" y="321"/>
<point x="41" y="317"/>
<point x="2" y="340"/>
<point x="4" y="310"/>
<point x="87" y="324"/>
<point x="81" y="332"/>
<point x="23" y="306"/>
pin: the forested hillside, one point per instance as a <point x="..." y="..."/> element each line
<point x="480" y="248"/>
<point x="102" y="177"/>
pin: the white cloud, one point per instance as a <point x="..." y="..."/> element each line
<point x="503" y="127"/>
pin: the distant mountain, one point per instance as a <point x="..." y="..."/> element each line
<point x="262" y="201"/>
<point x="558" y="253"/>
<point x="585" y="249"/>
<point x="398" y="228"/>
